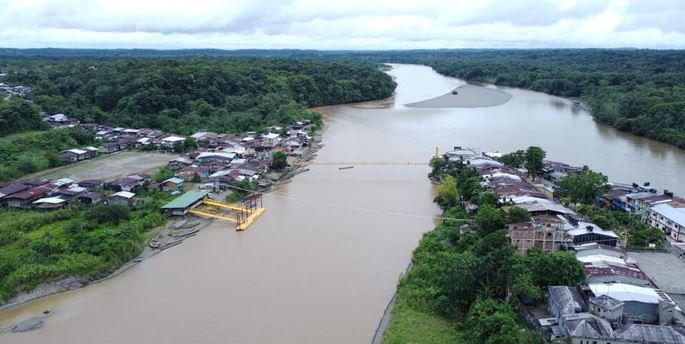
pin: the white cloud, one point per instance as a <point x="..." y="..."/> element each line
<point x="334" y="24"/>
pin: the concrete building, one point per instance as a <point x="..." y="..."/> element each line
<point x="608" y="308"/>
<point x="603" y="322"/>
<point x="543" y="232"/>
<point x="172" y="141"/>
<point x="669" y="219"/>
<point x="644" y="305"/>
<point x="460" y="154"/>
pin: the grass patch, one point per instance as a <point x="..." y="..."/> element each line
<point x="409" y="326"/>
<point x="20" y="136"/>
<point x="38" y="247"/>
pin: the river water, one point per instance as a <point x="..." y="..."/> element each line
<point x="323" y="261"/>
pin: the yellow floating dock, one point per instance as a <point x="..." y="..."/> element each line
<point x="198" y="212"/>
<point x="250" y="219"/>
<point x="222" y="205"/>
<point x="239" y="215"/>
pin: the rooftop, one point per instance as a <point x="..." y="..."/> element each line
<point x="588" y="326"/>
<point x="674" y="214"/>
<point x="124" y="194"/>
<point x="567" y="299"/>
<point x="50" y="200"/>
<point x="642" y="333"/>
<point x="601" y="258"/>
<point x="185" y="200"/>
<point x="626" y="292"/>
<point x="587" y="227"/>
<point x="173" y="139"/>
<point x="606" y="301"/>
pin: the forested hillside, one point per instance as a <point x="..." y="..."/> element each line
<point x="188" y="94"/>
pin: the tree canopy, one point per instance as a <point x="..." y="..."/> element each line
<point x="583" y="187"/>
<point x="534" y="158"/>
<point x="188" y="94"/>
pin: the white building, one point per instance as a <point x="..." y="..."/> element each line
<point x="670" y="219"/>
<point x="641" y="304"/>
<point x="171" y="141"/>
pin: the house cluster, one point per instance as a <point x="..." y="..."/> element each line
<point x="223" y="159"/>
<point x="59" y="120"/>
<point x="617" y="303"/>
<point x="612" y="313"/>
<point x="553" y="226"/>
<point x="77" y="154"/>
<point x="116" y="139"/>
<point x="664" y="211"/>
<point x="7" y="91"/>
<point x="292" y="140"/>
<point x="46" y="194"/>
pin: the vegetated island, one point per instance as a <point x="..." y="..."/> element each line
<point x="466" y="96"/>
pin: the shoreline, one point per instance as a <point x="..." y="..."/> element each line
<point x="69" y="283"/>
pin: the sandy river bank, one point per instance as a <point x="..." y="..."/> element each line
<point x="466" y="96"/>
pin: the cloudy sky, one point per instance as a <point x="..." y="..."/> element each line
<point x="348" y="24"/>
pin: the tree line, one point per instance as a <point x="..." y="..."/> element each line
<point x="187" y="94"/>
<point x="640" y="91"/>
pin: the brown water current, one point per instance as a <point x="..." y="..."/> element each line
<point x="323" y="261"/>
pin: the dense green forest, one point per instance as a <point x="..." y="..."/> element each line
<point x="37" y="247"/>
<point x="640" y="91"/>
<point x="193" y="93"/>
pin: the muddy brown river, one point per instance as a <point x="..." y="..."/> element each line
<point x="322" y="263"/>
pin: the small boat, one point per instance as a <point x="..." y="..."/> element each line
<point x="185" y="234"/>
<point x="179" y="224"/>
<point x="345" y="167"/>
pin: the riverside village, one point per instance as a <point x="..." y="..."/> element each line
<point x="632" y="293"/>
<point x="633" y="290"/>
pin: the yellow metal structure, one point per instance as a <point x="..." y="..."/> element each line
<point x="201" y="213"/>
<point x="243" y="217"/>
<point x="250" y="219"/>
<point x="222" y="205"/>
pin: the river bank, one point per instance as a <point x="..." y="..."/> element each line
<point x="466" y="96"/>
<point x="332" y="244"/>
<point x="170" y="235"/>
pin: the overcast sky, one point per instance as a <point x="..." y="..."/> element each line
<point x="348" y="24"/>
